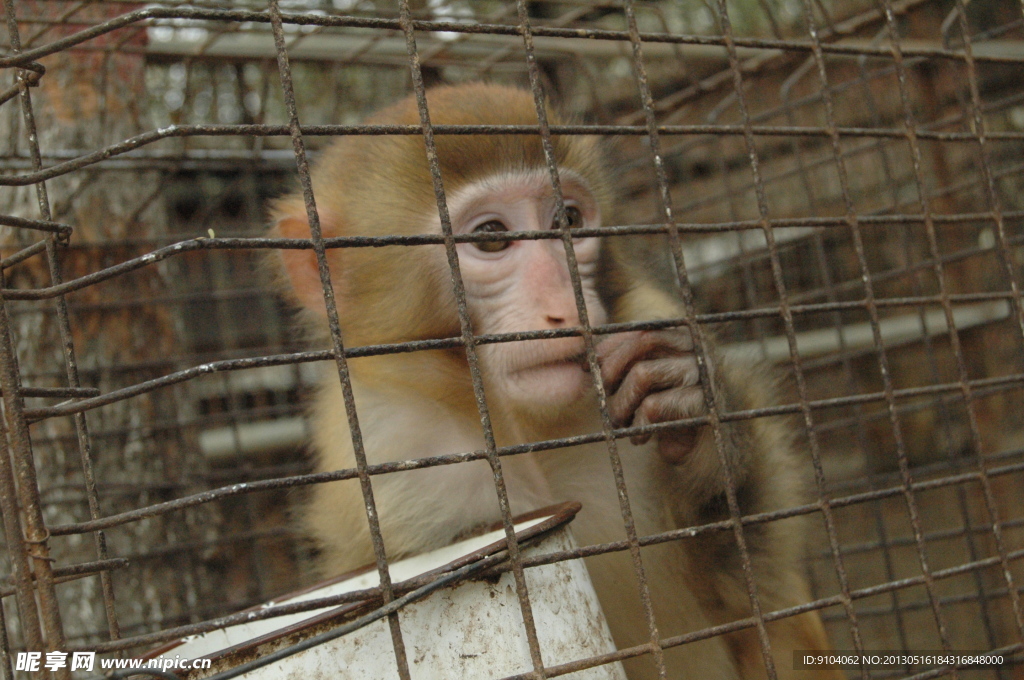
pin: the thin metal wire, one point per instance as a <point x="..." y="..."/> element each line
<point x="812" y="431"/>
<point x="712" y="399"/>
<point x="917" y="283"/>
<point x="384" y="468"/>
<point x="316" y="236"/>
<point x="940" y="276"/>
<point x="323" y="20"/>
<point x="36" y="536"/>
<point x="587" y="335"/>
<point x="242" y="130"/>
<point x="852" y="218"/>
<point x="469" y="341"/>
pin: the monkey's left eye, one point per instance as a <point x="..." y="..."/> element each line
<point x="573" y="217"/>
<point x="491" y="227"/>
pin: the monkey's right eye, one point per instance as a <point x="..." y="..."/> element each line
<point x="491" y="227"/>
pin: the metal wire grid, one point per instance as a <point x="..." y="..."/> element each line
<point x="915" y="283"/>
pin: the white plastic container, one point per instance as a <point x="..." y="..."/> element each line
<point x="473" y="629"/>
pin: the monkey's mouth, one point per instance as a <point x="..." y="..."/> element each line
<point x="581" y="359"/>
<point x="554" y="379"/>
<point x="578" y="359"/>
<point x="535" y="359"/>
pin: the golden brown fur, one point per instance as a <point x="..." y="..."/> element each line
<point x="413" y="405"/>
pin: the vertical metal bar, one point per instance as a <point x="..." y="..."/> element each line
<point x="853" y="221"/>
<point x="5" y="644"/>
<point x="229" y="340"/>
<point x="316" y="236"/>
<point x="876" y="508"/>
<point x="787" y="317"/>
<point x="700" y="342"/>
<point x="68" y="349"/>
<point x="36" y="534"/>
<point x="954" y="337"/>
<point x="618" y="472"/>
<point x="84" y="442"/>
<point x="837" y="323"/>
<point x="977" y="126"/>
<point x="758" y="326"/>
<point x="469" y="342"/>
<point x="942" y="401"/>
<point x="21" y="568"/>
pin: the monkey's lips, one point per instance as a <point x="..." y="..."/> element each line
<point x="539" y="373"/>
<point x="580" y="359"/>
<point x="552" y="378"/>
<point x="577" y="359"/>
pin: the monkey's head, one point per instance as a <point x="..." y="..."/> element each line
<point x="376" y="185"/>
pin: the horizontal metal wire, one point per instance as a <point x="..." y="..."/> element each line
<point x="619" y="433"/>
<point x="323" y="20"/>
<point x="706" y="633"/>
<point x="73" y="572"/>
<point x="244" y="130"/>
<point x="803" y="144"/>
<point x="263" y="243"/>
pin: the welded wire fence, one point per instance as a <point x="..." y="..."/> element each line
<point x="844" y="182"/>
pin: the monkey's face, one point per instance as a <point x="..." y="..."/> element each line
<point x="525" y="285"/>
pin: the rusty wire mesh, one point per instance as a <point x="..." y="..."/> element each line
<point x="846" y="179"/>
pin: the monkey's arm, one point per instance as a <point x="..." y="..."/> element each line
<point x="652" y="377"/>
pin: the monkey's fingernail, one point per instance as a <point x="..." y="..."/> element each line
<point x="641" y="438"/>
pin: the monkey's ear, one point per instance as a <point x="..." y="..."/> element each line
<point x="300" y="268"/>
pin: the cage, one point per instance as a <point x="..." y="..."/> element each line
<point x="847" y="184"/>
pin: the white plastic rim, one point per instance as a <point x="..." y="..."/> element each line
<point x="474" y="629"/>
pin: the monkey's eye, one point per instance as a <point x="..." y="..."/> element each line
<point x="491" y="227"/>
<point x="573" y="217"/>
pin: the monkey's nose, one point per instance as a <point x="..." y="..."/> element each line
<point x="557" y="321"/>
<point x="560" y="315"/>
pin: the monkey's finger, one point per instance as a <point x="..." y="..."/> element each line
<point x="673" y="404"/>
<point x="607" y="343"/>
<point x="647" y="377"/>
<point x="683" y="402"/>
<point x="618" y="358"/>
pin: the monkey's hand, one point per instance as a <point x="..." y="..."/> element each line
<point x="652" y="377"/>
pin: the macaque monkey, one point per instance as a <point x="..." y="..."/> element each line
<point x="417" y="404"/>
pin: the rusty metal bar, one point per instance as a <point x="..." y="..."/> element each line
<point x="33" y="535"/>
<point x="82" y="431"/>
<point x="468" y="338"/>
<point x="852" y="218"/>
<point x="940" y="276"/>
<point x="76" y="571"/>
<point x="815" y="146"/>
<point x="384" y="468"/>
<point x="844" y="357"/>
<point x="67" y="345"/>
<point x="63" y="230"/>
<point x="241" y="130"/>
<point x="538" y="560"/>
<point x="237" y="243"/>
<point x="323" y="20"/>
<point x="316" y="237"/>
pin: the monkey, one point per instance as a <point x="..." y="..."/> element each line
<point x="416" y="404"/>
